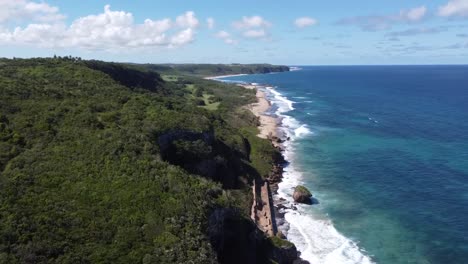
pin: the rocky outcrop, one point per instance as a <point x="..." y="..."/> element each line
<point x="302" y="195"/>
<point x="275" y="177"/>
<point x="237" y="240"/>
<point x="234" y="238"/>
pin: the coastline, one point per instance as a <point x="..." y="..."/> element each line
<point x="222" y="76"/>
<point x="271" y="218"/>
<point x="316" y="240"/>
<point x="268" y="125"/>
<point x="270" y="128"/>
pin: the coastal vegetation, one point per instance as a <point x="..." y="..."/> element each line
<point x="116" y="163"/>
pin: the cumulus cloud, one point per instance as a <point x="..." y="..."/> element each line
<point x="454" y="8"/>
<point x="384" y="22"/>
<point x="226" y="37"/>
<point x="106" y="31"/>
<point x="303" y="22"/>
<point x="23" y="10"/>
<point x="254" y="27"/>
<point x="210" y="22"/>
<point x="414" y="14"/>
<point x="251" y="22"/>
<point x="187" y="20"/>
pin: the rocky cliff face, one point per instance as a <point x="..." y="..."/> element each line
<point x="202" y="154"/>
<point x="237" y="240"/>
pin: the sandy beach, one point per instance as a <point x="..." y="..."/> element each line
<point x="268" y="124"/>
<point x="222" y="76"/>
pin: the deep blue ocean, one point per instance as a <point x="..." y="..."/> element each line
<point x="384" y="150"/>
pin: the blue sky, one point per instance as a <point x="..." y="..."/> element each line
<point x="297" y="32"/>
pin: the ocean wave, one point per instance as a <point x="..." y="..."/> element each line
<point x="283" y="103"/>
<point x="314" y="236"/>
<point x="320" y="242"/>
<point x="301" y="131"/>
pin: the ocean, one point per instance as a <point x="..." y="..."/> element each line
<point x="384" y="150"/>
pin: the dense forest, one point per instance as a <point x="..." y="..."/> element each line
<point x="111" y="163"/>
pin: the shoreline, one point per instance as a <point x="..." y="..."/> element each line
<point x="268" y="125"/>
<point x="291" y="224"/>
<point x="222" y="76"/>
<point x="271" y="220"/>
<point x="269" y="128"/>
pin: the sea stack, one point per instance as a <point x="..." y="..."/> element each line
<point x="302" y="195"/>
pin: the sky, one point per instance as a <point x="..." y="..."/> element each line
<point x="295" y="32"/>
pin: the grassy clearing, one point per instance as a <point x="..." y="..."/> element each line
<point x="208" y="105"/>
<point x="170" y="78"/>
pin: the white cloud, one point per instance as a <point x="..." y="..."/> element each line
<point x="182" y="38"/>
<point x="226" y="37"/>
<point x="254" y="27"/>
<point x="414" y="14"/>
<point x="384" y="22"/>
<point x="210" y="22"/>
<point x="255" y="33"/>
<point x="303" y="22"/>
<point x="223" y="34"/>
<point x="109" y="30"/>
<point x="454" y="8"/>
<point x="21" y="10"/>
<point x="187" y="20"/>
<point x="251" y="22"/>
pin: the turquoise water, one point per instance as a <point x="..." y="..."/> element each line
<point x="384" y="149"/>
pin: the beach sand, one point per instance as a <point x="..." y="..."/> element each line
<point x="268" y="124"/>
<point x="222" y="76"/>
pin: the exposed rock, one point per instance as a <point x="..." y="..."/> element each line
<point x="284" y="252"/>
<point x="234" y="238"/>
<point x="302" y="195"/>
<point x="281" y="235"/>
<point x="276" y="139"/>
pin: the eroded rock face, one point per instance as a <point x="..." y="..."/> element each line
<point x="302" y="195"/>
<point x="202" y="154"/>
<point x="234" y="238"/>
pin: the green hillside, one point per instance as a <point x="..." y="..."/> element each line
<point x="106" y="163"/>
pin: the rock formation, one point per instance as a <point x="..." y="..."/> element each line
<point x="302" y="195"/>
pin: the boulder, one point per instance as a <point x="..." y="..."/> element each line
<point x="302" y="195"/>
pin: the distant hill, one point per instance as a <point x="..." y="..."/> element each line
<point x="204" y="70"/>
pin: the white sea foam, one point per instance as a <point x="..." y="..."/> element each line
<point x="283" y="103"/>
<point x="293" y="68"/>
<point x="314" y="235"/>
<point x="302" y="130"/>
